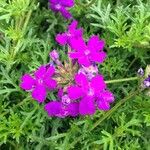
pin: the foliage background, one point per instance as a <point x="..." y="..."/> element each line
<point x="27" y="34"/>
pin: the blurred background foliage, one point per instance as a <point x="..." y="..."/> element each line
<point x="27" y="35"/>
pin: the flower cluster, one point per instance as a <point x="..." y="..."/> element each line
<point x="79" y="85"/>
<point x="145" y="75"/>
<point x="40" y="83"/>
<point x="60" y="6"/>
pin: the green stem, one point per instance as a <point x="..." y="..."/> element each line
<point x="132" y="63"/>
<point x="24" y="27"/>
<point x="27" y="20"/>
<point x="107" y="114"/>
<point x="122" y="80"/>
<point x="86" y="5"/>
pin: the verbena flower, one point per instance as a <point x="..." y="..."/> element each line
<point x="146" y="82"/>
<point x="40" y="83"/>
<point x="72" y="33"/>
<point x="91" y="94"/>
<point x="79" y="86"/>
<point x="90" y="71"/>
<point x="141" y="72"/>
<point x="62" y="107"/>
<point x="61" y="6"/>
<point x="54" y="55"/>
<point x="87" y="54"/>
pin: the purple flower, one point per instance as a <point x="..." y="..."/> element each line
<point x="62" y="108"/>
<point x="60" y="6"/>
<point x="104" y="99"/>
<point x="146" y="82"/>
<point x="72" y="33"/>
<point x="53" y="108"/>
<point x="54" y="55"/>
<point x="90" y="71"/>
<point x="90" y="93"/>
<point x="66" y="100"/>
<point x="87" y="54"/>
<point x="141" y="72"/>
<point x="41" y="82"/>
<point x="83" y="87"/>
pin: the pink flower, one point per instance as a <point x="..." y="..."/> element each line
<point x="72" y="33"/>
<point x="40" y="83"/>
<point x="90" y="71"/>
<point x="87" y="54"/>
<point x="54" y="55"/>
<point x="60" y="6"/>
<point x="63" y="108"/>
<point x="90" y="94"/>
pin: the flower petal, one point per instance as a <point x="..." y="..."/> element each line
<point x="98" y="84"/>
<point x="75" y="92"/>
<point x="65" y="13"/>
<point x="75" y="55"/>
<point x="102" y="105"/>
<point x="84" y="61"/>
<point x="39" y="93"/>
<point x="53" y="7"/>
<point x="27" y="82"/>
<point x="73" y="109"/>
<point x="50" y="83"/>
<point x="50" y="71"/>
<point x="60" y="93"/>
<point x="53" y="108"/>
<point x="72" y="27"/>
<point x="81" y="80"/>
<point x="98" y="57"/>
<point x="62" y="38"/>
<point x="78" y="33"/>
<point x="107" y="96"/>
<point x="54" y="1"/>
<point x="87" y="106"/>
<point x="78" y="44"/>
<point x="40" y="72"/>
<point x="94" y="44"/>
<point x="67" y="3"/>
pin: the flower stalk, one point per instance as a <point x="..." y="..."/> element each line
<point x="111" y="111"/>
<point x="122" y="80"/>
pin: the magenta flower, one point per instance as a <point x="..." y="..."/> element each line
<point x="87" y="54"/>
<point x="90" y="71"/>
<point x="40" y="83"/>
<point x="54" y="55"/>
<point x="72" y="33"/>
<point x="91" y="94"/>
<point x="60" y="6"/>
<point x="64" y="107"/>
<point x="104" y="99"/>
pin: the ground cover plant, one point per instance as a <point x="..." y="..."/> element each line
<point x="101" y="100"/>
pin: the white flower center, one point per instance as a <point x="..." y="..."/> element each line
<point x="87" y="52"/>
<point x="66" y="100"/>
<point x="91" y="92"/>
<point x="147" y="83"/>
<point x="58" y="6"/>
<point x="40" y="81"/>
<point x="68" y="34"/>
